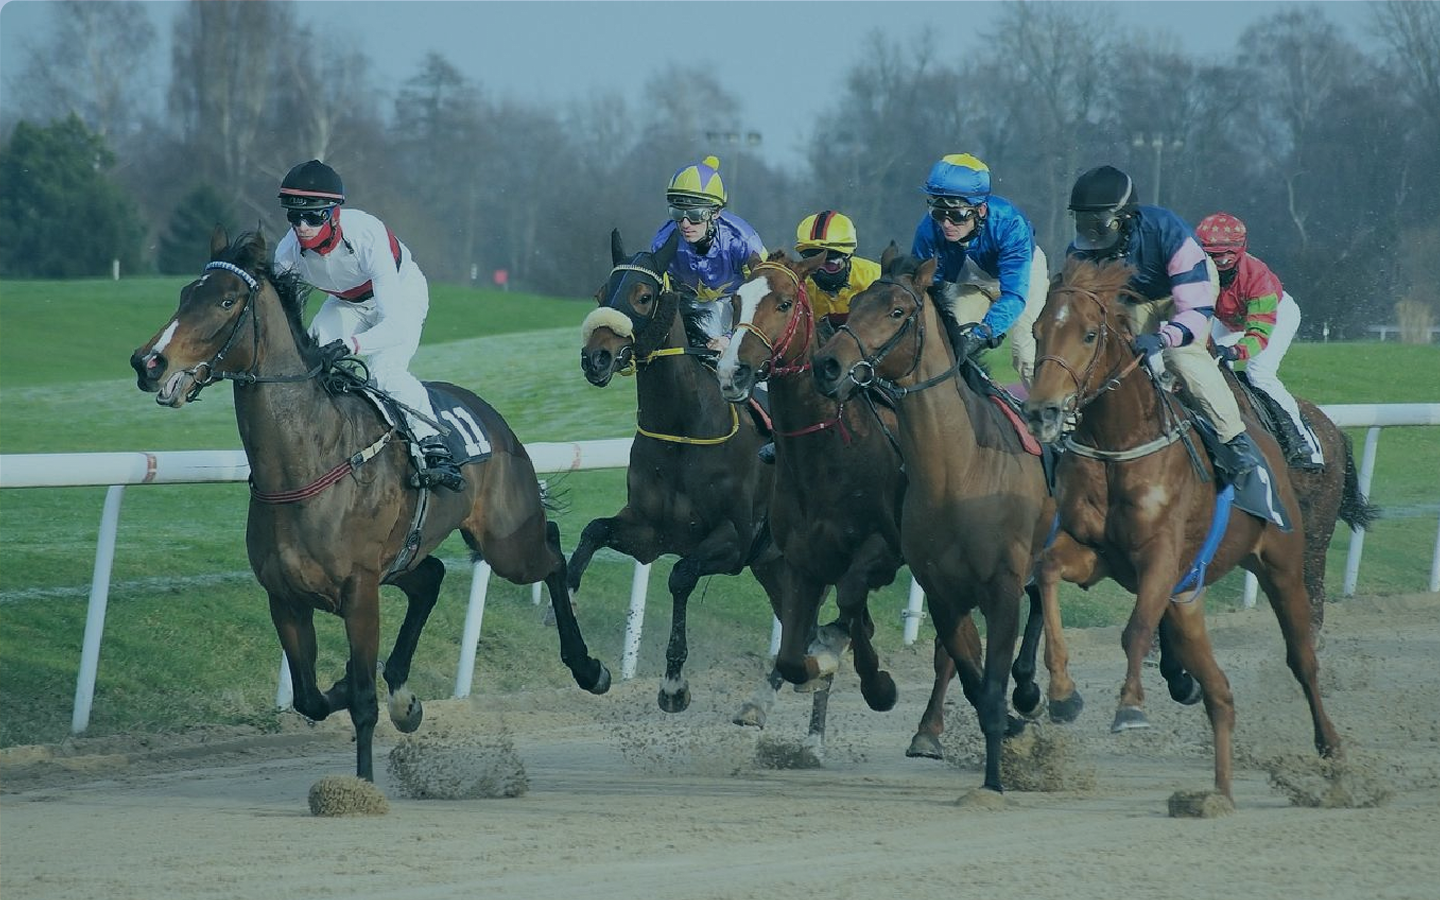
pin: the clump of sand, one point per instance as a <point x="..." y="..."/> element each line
<point x="1044" y="759"/>
<point x="1199" y="805"/>
<point x="1312" y="781"/>
<point x="446" y="765"/>
<point x="786" y="753"/>
<point x="346" y="795"/>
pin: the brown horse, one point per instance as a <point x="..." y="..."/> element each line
<point x="976" y="511"/>
<point x="695" y="487"/>
<point x="1138" y="496"/>
<point x="1326" y="494"/>
<point x="835" y="508"/>
<point x="332" y="517"/>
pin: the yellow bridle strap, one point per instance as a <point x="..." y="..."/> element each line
<point x="662" y="277"/>
<point x="676" y="439"/>
<point x="776" y="267"/>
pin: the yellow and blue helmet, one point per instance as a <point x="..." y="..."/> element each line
<point x="697" y="185"/>
<point x="960" y="176"/>
<point x="826" y="230"/>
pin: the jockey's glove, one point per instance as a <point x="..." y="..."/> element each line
<point x="975" y="337"/>
<point x="1229" y="355"/>
<point x="1148" y="344"/>
<point x="333" y="352"/>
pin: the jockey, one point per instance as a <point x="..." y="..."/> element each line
<point x="966" y="221"/>
<point x="843" y="274"/>
<point x="377" y="302"/>
<point x="1255" y="320"/>
<point x="1179" y="284"/>
<point x="710" y="260"/>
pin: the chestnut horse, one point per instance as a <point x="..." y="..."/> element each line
<point x="1138" y="497"/>
<point x="976" y="511"/>
<point x="695" y="486"/>
<point x="332" y="517"/>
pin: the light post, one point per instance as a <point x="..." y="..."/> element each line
<point x="734" y="137"/>
<point x="1159" y="141"/>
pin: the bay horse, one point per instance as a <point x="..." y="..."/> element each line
<point x="976" y="511"/>
<point x="695" y="487"/>
<point x="1138" y="499"/>
<point x="332" y="516"/>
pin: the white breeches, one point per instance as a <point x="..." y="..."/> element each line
<point x="1263" y="369"/>
<point x="390" y="367"/>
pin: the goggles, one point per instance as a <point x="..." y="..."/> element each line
<point x="1097" y="229"/>
<point x="830" y="255"/>
<point x="956" y="215"/>
<point x="1224" y="257"/>
<point x="693" y="214"/>
<point x="312" y="217"/>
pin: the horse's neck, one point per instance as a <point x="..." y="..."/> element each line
<point x="937" y="416"/>
<point x="674" y="391"/>
<point x="795" y="401"/>
<point x="1125" y="416"/>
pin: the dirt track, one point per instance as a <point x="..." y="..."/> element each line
<point x="625" y="801"/>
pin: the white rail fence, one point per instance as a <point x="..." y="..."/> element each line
<point x="119" y="470"/>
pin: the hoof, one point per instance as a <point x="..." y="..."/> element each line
<point x="750" y="716"/>
<point x="1186" y="690"/>
<point x="879" y="692"/>
<point x="1065" y="711"/>
<point x="1014" y="726"/>
<point x="406" y="710"/>
<point x="674" y="701"/>
<point x="1026" y="699"/>
<point x="602" y="679"/>
<point x="1128" y="718"/>
<point x="926" y="746"/>
<point x="813" y="686"/>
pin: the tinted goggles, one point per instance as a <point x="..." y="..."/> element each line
<point x="693" y="214"/>
<point x="1096" y="230"/>
<point x="312" y="217"/>
<point x="954" y="214"/>
<point x="830" y="255"/>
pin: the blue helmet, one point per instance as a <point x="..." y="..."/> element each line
<point x="961" y="176"/>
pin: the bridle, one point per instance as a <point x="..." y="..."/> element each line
<point x="1082" y="379"/>
<point x="207" y="373"/>
<point x="863" y="372"/>
<point x="791" y="337"/>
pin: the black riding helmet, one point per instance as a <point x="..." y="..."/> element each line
<point x="1102" y="200"/>
<point x="311" y="185"/>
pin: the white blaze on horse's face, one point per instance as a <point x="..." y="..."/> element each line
<point x="165" y="337"/>
<point x="750" y="294"/>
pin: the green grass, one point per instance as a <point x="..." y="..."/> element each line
<point x="188" y="638"/>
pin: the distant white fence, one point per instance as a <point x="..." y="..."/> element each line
<point x="117" y="470"/>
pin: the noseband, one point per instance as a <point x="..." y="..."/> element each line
<point x="782" y="347"/>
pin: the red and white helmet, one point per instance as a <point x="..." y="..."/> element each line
<point x="1222" y="236"/>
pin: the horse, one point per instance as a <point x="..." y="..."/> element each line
<point x="1326" y="494"/>
<point x="976" y="511"/>
<point x="695" y="487"/>
<point x="332" y="516"/>
<point x="1138" y="499"/>
<point x="835" y="508"/>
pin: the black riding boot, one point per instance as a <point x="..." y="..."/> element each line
<point x="440" y="468"/>
<point x="1297" y="449"/>
<point x="1244" y="456"/>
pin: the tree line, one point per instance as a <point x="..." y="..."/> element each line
<point x="1330" y="153"/>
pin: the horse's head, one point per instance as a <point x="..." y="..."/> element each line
<point x="774" y="326"/>
<point x="216" y="328"/>
<point x="632" y="304"/>
<point x="884" y="334"/>
<point x="1081" y="342"/>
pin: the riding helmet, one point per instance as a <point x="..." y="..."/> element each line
<point x="311" y="185"/>
<point x="960" y="176"/>
<point x="827" y="230"/>
<point x="697" y="185"/>
<point x="1103" y="189"/>
<point x="1220" y="233"/>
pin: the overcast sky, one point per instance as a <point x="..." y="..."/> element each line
<point x="772" y="55"/>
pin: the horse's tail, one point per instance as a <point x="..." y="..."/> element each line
<point x="1356" y="510"/>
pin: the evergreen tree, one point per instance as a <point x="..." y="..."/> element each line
<point x="185" y="246"/>
<point x="60" y="214"/>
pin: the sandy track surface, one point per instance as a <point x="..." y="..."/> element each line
<point x="626" y="801"/>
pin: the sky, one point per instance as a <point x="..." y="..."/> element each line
<point x="766" y="53"/>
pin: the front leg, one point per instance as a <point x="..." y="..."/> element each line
<point x="720" y="552"/>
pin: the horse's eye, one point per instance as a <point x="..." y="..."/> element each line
<point x="784" y="305"/>
<point x="897" y="313"/>
<point x="1090" y="336"/>
<point x="227" y="303"/>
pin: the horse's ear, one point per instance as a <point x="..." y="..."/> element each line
<point x="752" y="262"/>
<point x="889" y="254"/>
<point x="617" y="248"/>
<point x="808" y="264"/>
<point x="258" y="241"/>
<point x="926" y="273"/>
<point x="666" y="254"/>
<point x="219" y="240"/>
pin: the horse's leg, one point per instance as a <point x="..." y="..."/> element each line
<point x="876" y="685"/>
<point x="1063" y="561"/>
<point x="1150" y="602"/>
<point x="716" y="553"/>
<point x="422" y="588"/>
<point x="361" y="612"/>
<point x="1187" y="625"/>
<point x="1001" y="608"/>
<point x="957" y="654"/>
<point x="590" y="674"/>
<point x="1184" y="688"/>
<point x="620" y="532"/>
<point x="776" y="578"/>
<point x="295" y="626"/>
<point x="1026" y="696"/>
<point x="1284" y="588"/>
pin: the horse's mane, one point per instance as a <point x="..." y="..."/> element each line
<point x="1107" y="279"/>
<point x="902" y="264"/>
<point x="249" y="252"/>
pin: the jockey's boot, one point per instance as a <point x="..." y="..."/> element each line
<point x="1243" y="458"/>
<point x="1297" y="448"/>
<point x="767" y="454"/>
<point x="440" y="468"/>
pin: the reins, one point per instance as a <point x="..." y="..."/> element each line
<point x="870" y="362"/>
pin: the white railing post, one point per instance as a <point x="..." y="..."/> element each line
<point x="285" y="688"/>
<point x="1252" y="589"/>
<point x="95" y="617"/>
<point x="775" y="631"/>
<point x="1357" y="536"/>
<point x="470" y="639"/>
<point x="1435" y="565"/>
<point x="914" y="612"/>
<point x="634" y="621"/>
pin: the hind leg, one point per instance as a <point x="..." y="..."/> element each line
<point x="422" y="588"/>
<point x="1065" y="560"/>
<point x="589" y="673"/>
<point x="1184" y="689"/>
<point x="1284" y="587"/>
<point x="1026" y="696"/>
<point x="926" y="742"/>
<point x="1197" y="656"/>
